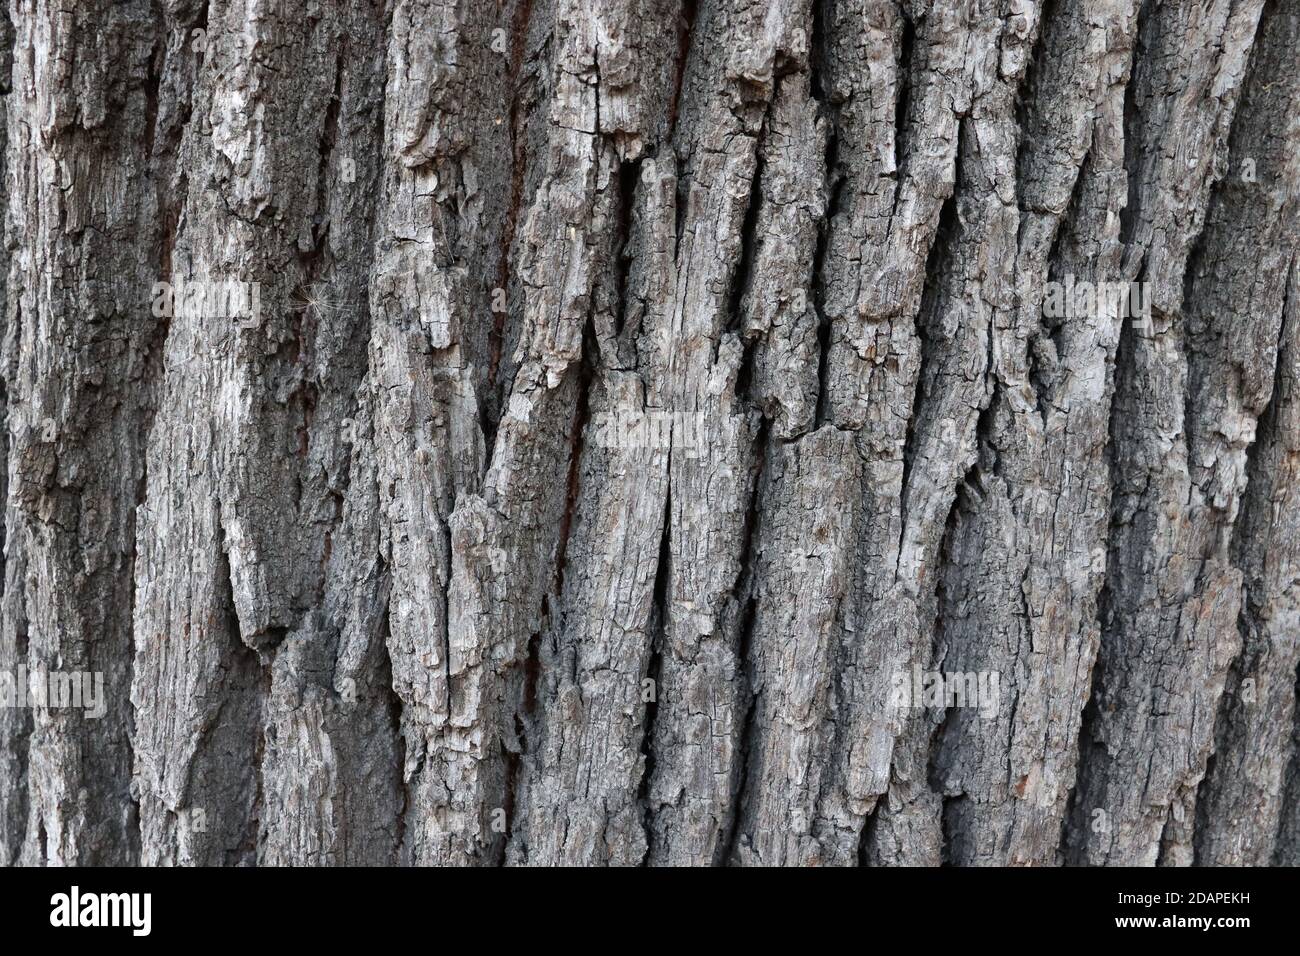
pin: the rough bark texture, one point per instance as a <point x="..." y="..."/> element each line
<point x="640" y="394"/>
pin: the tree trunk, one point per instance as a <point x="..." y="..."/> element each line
<point x="651" y="431"/>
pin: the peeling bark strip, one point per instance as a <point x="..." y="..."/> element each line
<point x="642" y="432"/>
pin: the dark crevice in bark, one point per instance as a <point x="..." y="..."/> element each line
<point x="393" y="707"/>
<point x="744" y="591"/>
<point x="157" y="61"/>
<point x="1042" y="380"/>
<point x="250" y="677"/>
<point x="1197" y="357"/>
<point x="685" y="33"/>
<point x="629" y="174"/>
<point x="748" y="730"/>
<point x="821" y="413"/>
<point x="1192" y="359"/>
<point x="1247" y="659"/>
<point x="749" y="547"/>
<point x="833" y="198"/>
<point x="742" y="276"/>
<point x="1222" y="726"/>
<point x="1067" y="846"/>
<point x="444" y="529"/>
<point x="868" y="836"/>
<point x="395" y="710"/>
<point x="950" y="824"/>
<point x="533" y="666"/>
<point x="1285" y="854"/>
<point x="1162" y="858"/>
<point x="1264" y="424"/>
<point x="1028" y="90"/>
<point x="947" y="825"/>
<point x="748" y="245"/>
<point x="685" y="48"/>
<point x="328" y="140"/>
<point x="510" y="799"/>
<point x="903" y="101"/>
<point x="931" y="299"/>
<point x="984" y="420"/>
<point x="518" y="166"/>
<point x="253" y="837"/>
<point x="1133" y="144"/>
<point x="817" y="55"/>
<point x="654" y="668"/>
<point x="577" y="435"/>
<point x="532" y="671"/>
<point x="294" y="357"/>
<point x="1090" y="749"/>
<point x="307" y="297"/>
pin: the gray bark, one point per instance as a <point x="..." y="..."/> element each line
<point x="640" y="395"/>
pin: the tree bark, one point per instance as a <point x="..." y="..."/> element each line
<point x="634" y="405"/>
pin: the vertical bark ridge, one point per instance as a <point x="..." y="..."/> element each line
<point x="329" y="741"/>
<point x="270" y="204"/>
<point x="971" y="364"/>
<point x="960" y="144"/>
<point x="1026" y="563"/>
<point x="1286" y="850"/>
<point x="725" y="122"/>
<point x="15" y="725"/>
<point x="781" y="321"/>
<point x="587" y="774"/>
<point x="1240" y="351"/>
<point x="81" y="231"/>
<point x="438" y="238"/>
<point x="1169" y="629"/>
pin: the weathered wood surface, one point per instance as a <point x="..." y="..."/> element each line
<point x="641" y="394"/>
